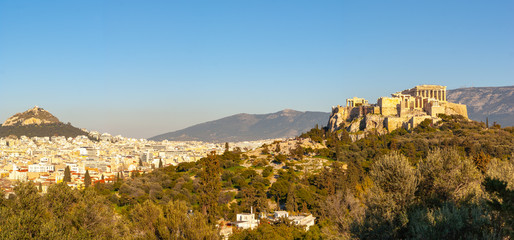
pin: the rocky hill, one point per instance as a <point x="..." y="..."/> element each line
<point x="495" y="103"/>
<point x="247" y="127"/>
<point x="35" y="115"/>
<point x="37" y="122"/>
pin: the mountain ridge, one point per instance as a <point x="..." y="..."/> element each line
<point x="248" y="127"/>
<point x="493" y="103"/>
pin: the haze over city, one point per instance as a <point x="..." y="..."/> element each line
<point x="144" y="68"/>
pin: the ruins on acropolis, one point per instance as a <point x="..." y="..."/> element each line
<point x="405" y="109"/>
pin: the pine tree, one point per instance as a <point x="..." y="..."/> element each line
<point x="291" y="204"/>
<point x="210" y="186"/>
<point x="160" y="163"/>
<point x="67" y="174"/>
<point x="87" y="179"/>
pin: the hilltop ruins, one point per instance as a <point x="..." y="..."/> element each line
<point x="405" y="109"/>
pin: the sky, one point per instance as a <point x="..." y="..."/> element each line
<point x="143" y="68"/>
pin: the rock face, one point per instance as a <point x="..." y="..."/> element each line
<point x="33" y="116"/>
<point x="405" y="109"/>
<point x="494" y="103"/>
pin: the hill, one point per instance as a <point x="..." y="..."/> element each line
<point x="248" y="127"/>
<point x="495" y="103"/>
<point x="37" y="122"/>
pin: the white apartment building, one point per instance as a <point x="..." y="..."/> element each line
<point x="41" y="167"/>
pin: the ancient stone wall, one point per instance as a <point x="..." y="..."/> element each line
<point x="388" y="106"/>
<point x="456" y="108"/>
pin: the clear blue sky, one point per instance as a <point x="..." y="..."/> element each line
<point x="141" y="68"/>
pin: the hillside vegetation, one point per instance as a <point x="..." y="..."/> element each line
<point x="452" y="180"/>
<point x="42" y="130"/>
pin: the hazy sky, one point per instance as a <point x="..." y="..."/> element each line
<point x="142" y="68"/>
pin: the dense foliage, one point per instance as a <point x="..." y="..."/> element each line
<point x="42" y="130"/>
<point x="451" y="180"/>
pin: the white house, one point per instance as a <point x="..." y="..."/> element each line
<point x="246" y="221"/>
<point x="303" y="220"/>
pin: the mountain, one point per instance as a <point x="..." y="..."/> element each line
<point x="495" y="103"/>
<point x="248" y="127"/>
<point x="37" y="122"/>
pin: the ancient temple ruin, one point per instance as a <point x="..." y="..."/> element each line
<point x="405" y="109"/>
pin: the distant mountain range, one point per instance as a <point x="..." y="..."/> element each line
<point x="37" y="122"/>
<point x="248" y="127"/>
<point x="495" y="103"/>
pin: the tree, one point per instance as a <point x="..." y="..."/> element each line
<point x="87" y="179"/>
<point x="169" y="221"/>
<point x="450" y="221"/>
<point x="227" y="147"/>
<point x="448" y="176"/>
<point x="160" y="163"/>
<point x="279" y="190"/>
<point x="291" y="202"/>
<point x="67" y="174"/>
<point x="394" y="184"/>
<point x="210" y="186"/>
<point x="502" y="202"/>
<point x="481" y="160"/>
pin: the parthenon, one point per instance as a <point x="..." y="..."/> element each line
<point x="428" y="91"/>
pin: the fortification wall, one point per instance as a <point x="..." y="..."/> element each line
<point x="455" y="108"/>
<point x="393" y="123"/>
<point x="388" y="106"/>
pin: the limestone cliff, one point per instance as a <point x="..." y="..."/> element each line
<point x="33" y="116"/>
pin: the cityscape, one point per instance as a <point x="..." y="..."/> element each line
<point x="244" y="120"/>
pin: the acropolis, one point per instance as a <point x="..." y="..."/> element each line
<point x="405" y="109"/>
